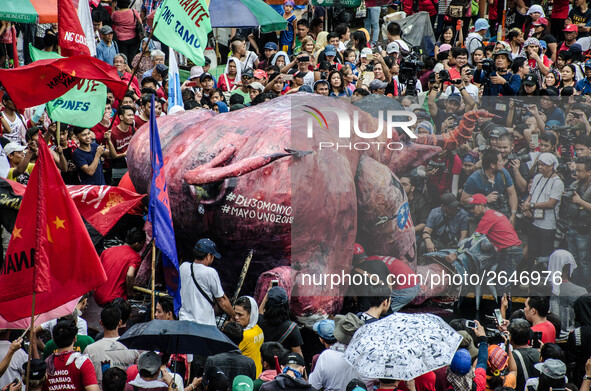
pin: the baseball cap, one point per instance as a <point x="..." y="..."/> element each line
<point x="554" y="369"/>
<point x="365" y="52"/>
<point x="449" y="200"/>
<point x="531" y="79"/>
<point x="325" y="329"/>
<point x="13" y="147"/>
<point x="571" y="28"/>
<point x="444" y="48"/>
<point x="277" y="294"/>
<point x="377" y="84"/>
<point x="207" y="60"/>
<point x="455" y="97"/>
<point x="161" y="69"/>
<point x="471" y="157"/>
<point x="248" y="72"/>
<point x="149" y="362"/>
<point x="540" y="22"/>
<point x="588" y="63"/>
<point x="477" y="199"/>
<point x="392" y="47"/>
<point x="260" y="74"/>
<point x="461" y="362"/>
<point x="205" y="75"/>
<point x="468" y="344"/>
<point x="330" y="50"/>
<point x="294" y="359"/>
<point x="105" y="30"/>
<point x="481" y="24"/>
<point x="543" y="44"/>
<point x="207" y="246"/>
<point x="321" y="81"/>
<point x="256" y="86"/>
<point x="271" y="46"/>
<point x="300" y="74"/>
<point x="38" y="368"/>
<point x="575" y="48"/>
<point x="196" y="71"/>
<point x="242" y="383"/>
<point x="358" y="252"/>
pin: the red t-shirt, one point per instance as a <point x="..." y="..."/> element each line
<point x="444" y="178"/>
<point x="99" y="131"/>
<point x="560" y="9"/>
<point x="121" y="139"/>
<point x="424" y="382"/>
<point x="548" y="331"/>
<point x="116" y="261"/>
<point x="139" y="121"/>
<point x="76" y="375"/>
<point x="401" y="270"/>
<point x="533" y="64"/>
<point x="498" y="230"/>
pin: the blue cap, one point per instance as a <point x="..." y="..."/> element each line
<point x="277" y="294"/>
<point x="543" y="44"/>
<point x="481" y="24"/>
<point x="271" y="46"/>
<point x="588" y="64"/>
<point x="461" y="363"/>
<point x="456" y="97"/>
<point x="325" y="329"/>
<point x="207" y="246"/>
<point x="330" y="50"/>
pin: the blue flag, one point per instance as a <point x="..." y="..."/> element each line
<point x="160" y="216"/>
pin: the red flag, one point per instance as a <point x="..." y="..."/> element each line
<point x="54" y="77"/>
<point x="72" y="39"/>
<point x="50" y="251"/>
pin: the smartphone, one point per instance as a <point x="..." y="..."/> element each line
<point x="192" y="84"/>
<point x="274" y="282"/>
<point x="537" y="339"/>
<point x="535" y="139"/>
<point x="370" y="57"/>
<point x="498" y="316"/>
<point x="288" y="78"/>
<point x="471" y="324"/>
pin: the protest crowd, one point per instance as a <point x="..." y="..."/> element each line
<point x="522" y="181"/>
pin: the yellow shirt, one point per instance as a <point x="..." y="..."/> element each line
<point x="29" y="169"/>
<point x="251" y="346"/>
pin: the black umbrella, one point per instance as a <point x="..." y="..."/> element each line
<point x="177" y="337"/>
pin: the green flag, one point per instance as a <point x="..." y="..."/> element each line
<point x="83" y="105"/>
<point x="183" y="25"/>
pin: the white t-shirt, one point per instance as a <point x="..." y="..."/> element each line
<point x="81" y="323"/>
<point x="17" y="130"/>
<point x="4" y="164"/>
<point x="16" y="364"/>
<point x="112" y="353"/>
<point x="195" y="307"/>
<point x="542" y="189"/>
<point x="249" y="60"/>
<point x="470" y="88"/>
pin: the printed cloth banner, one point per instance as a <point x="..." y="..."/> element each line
<point x="183" y="25"/>
<point x="82" y="106"/>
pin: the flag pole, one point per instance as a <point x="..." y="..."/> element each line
<point x="31" y="331"/>
<point x="136" y="67"/>
<point x="57" y="133"/>
<point x="153" y="277"/>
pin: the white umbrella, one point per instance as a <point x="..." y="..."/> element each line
<point x="402" y="346"/>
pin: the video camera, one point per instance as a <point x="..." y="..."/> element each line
<point x="409" y="69"/>
<point x="521" y="158"/>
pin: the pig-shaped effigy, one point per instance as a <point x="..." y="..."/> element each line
<point x="267" y="178"/>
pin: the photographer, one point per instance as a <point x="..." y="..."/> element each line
<point x="495" y="183"/>
<point x="542" y="206"/>
<point x="499" y="81"/>
<point x="577" y="212"/>
<point x="514" y="164"/>
<point x="446" y="225"/>
<point x="464" y="83"/>
<point x="452" y="104"/>
<point x="577" y="119"/>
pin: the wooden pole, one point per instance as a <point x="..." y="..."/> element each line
<point x="153" y="277"/>
<point x="144" y="290"/>
<point x="31" y="331"/>
<point x="57" y="133"/>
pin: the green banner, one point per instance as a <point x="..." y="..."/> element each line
<point x="183" y="25"/>
<point x="337" y="3"/>
<point x="83" y="105"/>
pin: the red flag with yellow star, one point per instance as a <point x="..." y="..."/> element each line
<point x="50" y="252"/>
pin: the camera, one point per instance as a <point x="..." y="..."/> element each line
<point x="409" y="69"/>
<point x="521" y="158"/>
<point x="304" y="58"/>
<point x="488" y="65"/>
<point x="444" y="76"/>
<point x="369" y="68"/>
<point x="433" y="165"/>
